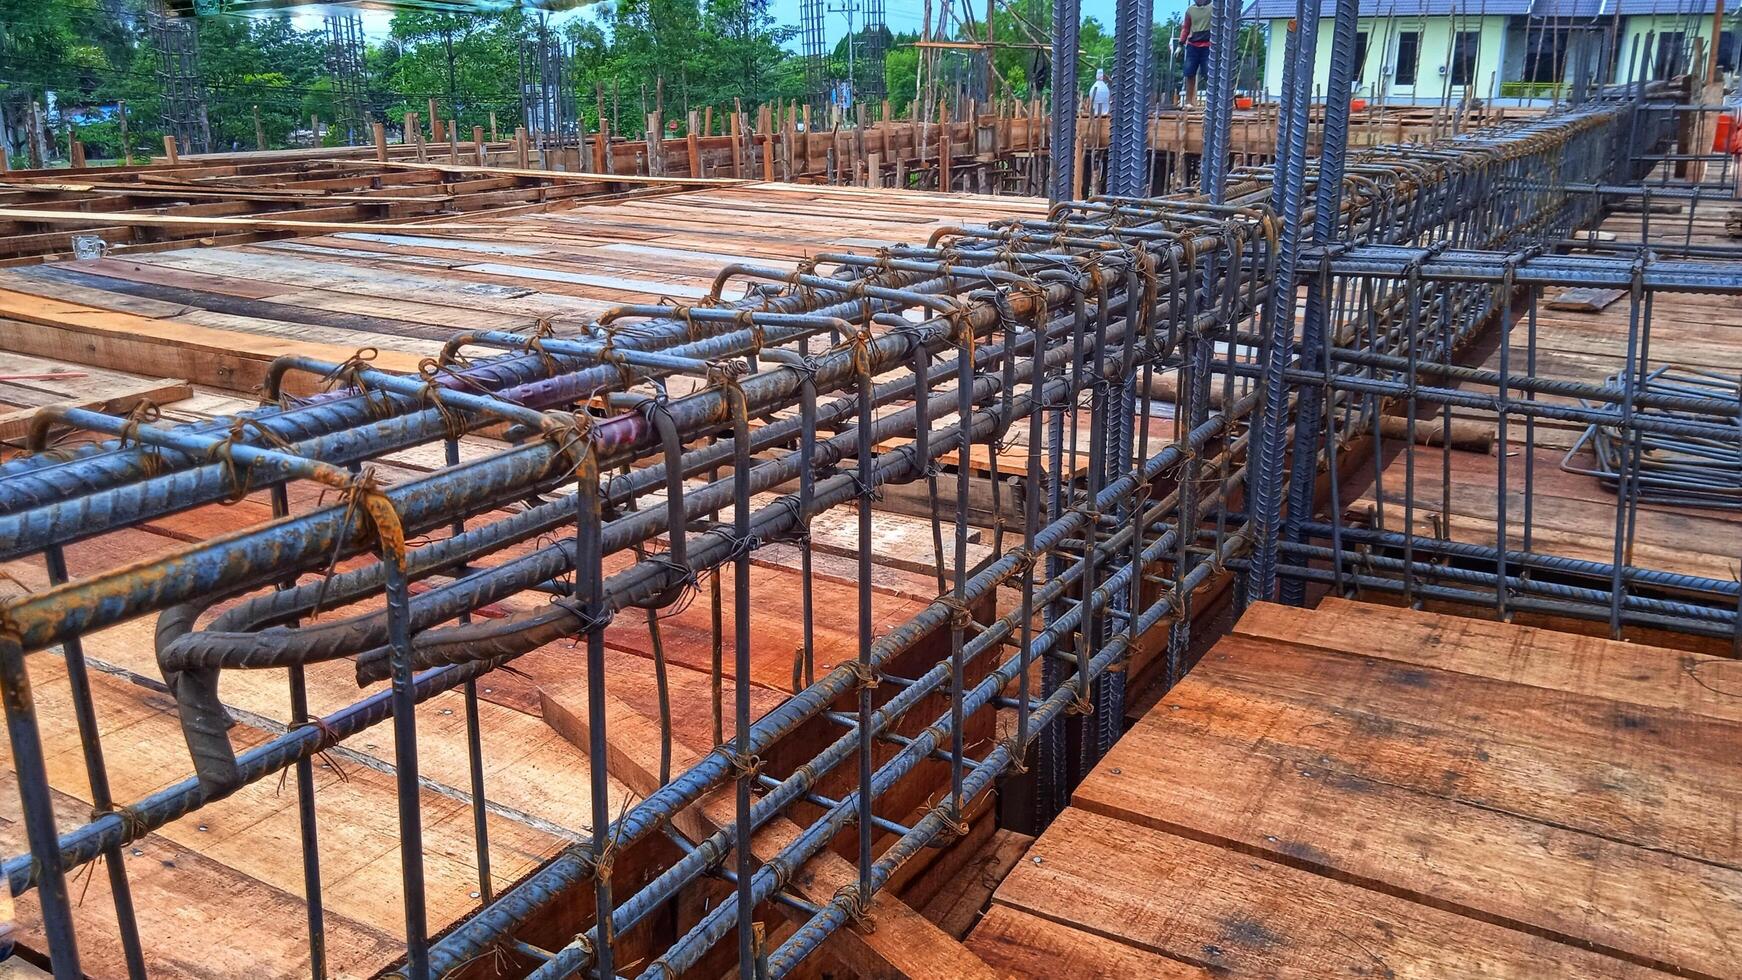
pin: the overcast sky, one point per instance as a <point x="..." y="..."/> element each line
<point x="900" y="15"/>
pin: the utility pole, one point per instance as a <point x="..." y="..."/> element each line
<point x="851" y="9"/>
<point x="990" y="91"/>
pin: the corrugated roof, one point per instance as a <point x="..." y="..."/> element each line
<point x="1566" y="9"/>
<point x="1632" y="8"/>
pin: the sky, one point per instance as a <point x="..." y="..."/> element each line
<point x="900" y="15"/>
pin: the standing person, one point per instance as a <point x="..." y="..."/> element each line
<point x="1100" y="96"/>
<point x="1194" y="34"/>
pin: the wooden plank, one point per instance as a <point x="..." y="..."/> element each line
<point x="559" y="175"/>
<point x="1018" y="944"/>
<point x="1644" y="905"/>
<point x="900" y="942"/>
<point x="261" y="932"/>
<point x="108" y="338"/>
<point x="1238" y="914"/>
<point x="959" y="903"/>
<point x="254" y="833"/>
<point x="1654" y="777"/>
<point x="1595" y="666"/>
<point x="133" y="218"/>
<point x="1585" y="299"/>
<point x="15" y="425"/>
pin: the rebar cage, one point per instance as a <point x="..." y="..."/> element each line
<point x="814" y="389"/>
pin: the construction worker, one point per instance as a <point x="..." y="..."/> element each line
<point x="1194" y="35"/>
<point x="1100" y="96"/>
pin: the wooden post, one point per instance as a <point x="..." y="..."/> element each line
<point x="169" y="149"/>
<point x="75" y="148"/>
<point x="708" y="121"/>
<point x="452" y="129"/>
<point x="855" y="142"/>
<point x="478" y="145"/>
<point x="5" y="165"/>
<point x="1077" y="168"/>
<point x="602" y="149"/>
<point x="766" y="118"/>
<point x="655" y="146"/>
<point x="33" y="138"/>
<point x="259" y="131"/>
<point x="789" y="137"/>
<point x="521" y="157"/>
<point x="380" y="130"/>
<point x="126" y="147"/>
<point x="944" y="150"/>
<point x="314" y="128"/>
<point x="414" y="135"/>
<point x="874" y="169"/>
<point x="805" y="167"/>
<point x="493" y="137"/>
<point x="435" y="124"/>
<point x="738" y="140"/>
<point x="900" y="172"/>
<point x="693" y="144"/>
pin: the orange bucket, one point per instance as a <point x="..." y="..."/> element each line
<point x="1242" y="101"/>
<point x="1356" y="105"/>
<point x="1724" y="140"/>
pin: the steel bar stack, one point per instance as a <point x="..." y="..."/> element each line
<point x="1410" y="254"/>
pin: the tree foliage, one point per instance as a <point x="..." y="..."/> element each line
<point x="80" y="59"/>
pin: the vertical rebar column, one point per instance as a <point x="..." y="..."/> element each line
<point x="1066" y="24"/>
<point x="811" y="15"/>
<point x="589" y="591"/>
<point x="1219" y="100"/>
<point x="182" y="93"/>
<point x="78" y="681"/>
<point x="1128" y="171"/>
<point x="876" y="50"/>
<point x="1197" y="348"/>
<point x="745" y="765"/>
<point x="31" y="770"/>
<point x="345" y="66"/>
<point x="866" y="495"/>
<point x="1269" y="442"/>
<point x="307" y="828"/>
<point x="1327" y="209"/>
<point x="409" y="790"/>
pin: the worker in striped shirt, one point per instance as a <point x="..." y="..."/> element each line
<point x="1194" y="35"/>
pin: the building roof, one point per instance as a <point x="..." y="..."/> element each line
<point x="1567" y="9"/>
<point x="1544" y="9"/>
<point x="1280" y="9"/>
<point x="1635" y="7"/>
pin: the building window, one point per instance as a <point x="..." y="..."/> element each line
<point x="1360" y="56"/>
<point x="1464" y="47"/>
<point x="1727" y="51"/>
<point x="1671" y="54"/>
<point x="1408" y="56"/>
<point x="1545" y="60"/>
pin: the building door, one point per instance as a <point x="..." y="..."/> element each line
<point x="1406" y="63"/>
<point x="1671" y="57"/>
<point x="1461" y="69"/>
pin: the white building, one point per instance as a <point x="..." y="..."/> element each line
<point x="1432" y="51"/>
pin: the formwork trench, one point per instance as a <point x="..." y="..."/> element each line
<point x="509" y="569"/>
